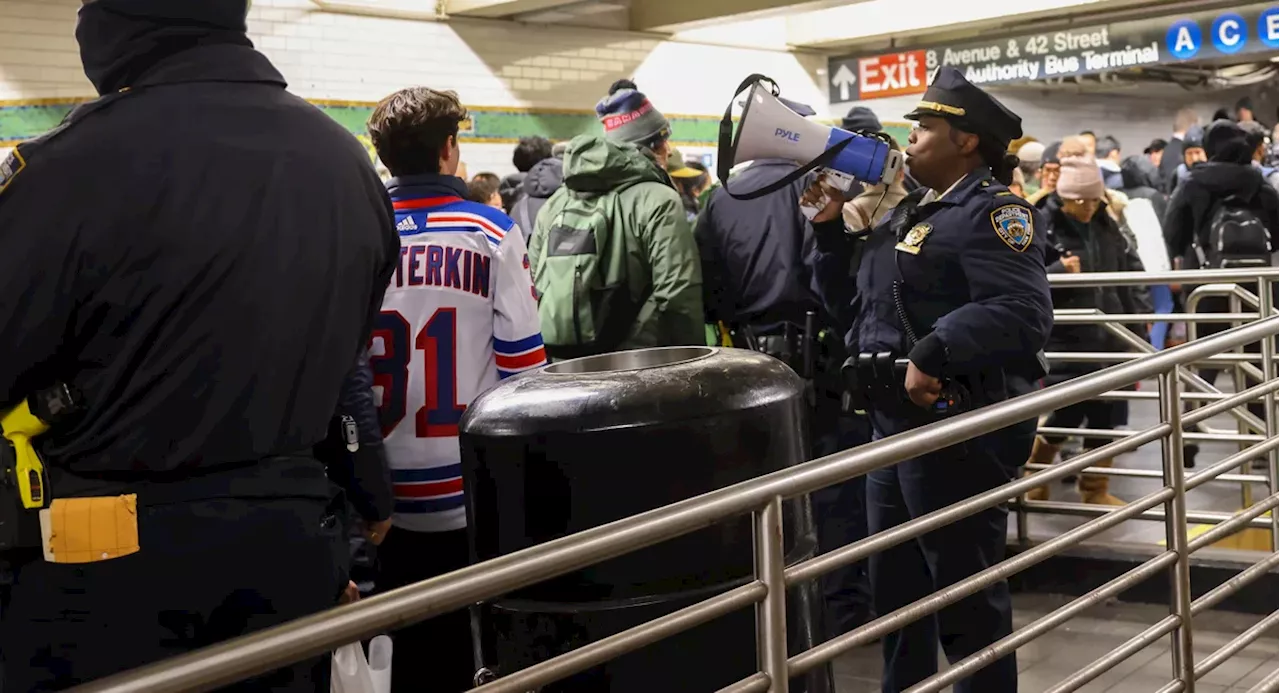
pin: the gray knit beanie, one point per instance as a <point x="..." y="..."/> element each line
<point x="628" y="116"/>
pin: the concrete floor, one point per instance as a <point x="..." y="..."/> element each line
<point x="1060" y="653"/>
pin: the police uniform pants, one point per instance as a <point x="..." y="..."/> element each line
<point x="840" y="513"/>
<point x="207" y="571"/>
<point x="434" y="655"/>
<point x="912" y="570"/>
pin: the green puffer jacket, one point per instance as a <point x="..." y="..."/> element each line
<point x="646" y="224"/>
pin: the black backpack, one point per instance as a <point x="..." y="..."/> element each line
<point x="1237" y="237"/>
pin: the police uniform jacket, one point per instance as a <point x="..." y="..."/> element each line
<point x="972" y="281"/>
<point x="757" y="254"/>
<point x="199" y="252"/>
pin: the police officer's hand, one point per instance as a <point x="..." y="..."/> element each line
<point x="923" y="389"/>
<point x="1071" y="263"/>
<point x="351" y="594"/>
<point x="829" y="200"/>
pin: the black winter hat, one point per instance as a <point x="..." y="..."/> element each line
<point x="861" y="118"/>
<point x="1227" y="142"/>
<point x="1051" y="153"/>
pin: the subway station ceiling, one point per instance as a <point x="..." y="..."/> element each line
<point x="851" y="32"/>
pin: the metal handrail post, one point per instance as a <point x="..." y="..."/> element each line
<point x="1265" y="306"/>
<point x="1189" y="378"/>
<point x="1175" y="518"/>
<point x="1240" y="383"/>
<point x="1238" y="295"/>
<point x="771" y="614"/>
<point x="268" y="649"/>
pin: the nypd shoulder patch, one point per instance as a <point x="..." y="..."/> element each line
<point x="10" y="168"/>
<point x="1014" y="226"/>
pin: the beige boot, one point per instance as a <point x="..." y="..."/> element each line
<point x="1094" y="487"/>
<point x="1042" y="452"/>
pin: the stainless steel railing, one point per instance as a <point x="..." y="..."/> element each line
<point x="268" y="649"/>
<point x="1243" y="368"/>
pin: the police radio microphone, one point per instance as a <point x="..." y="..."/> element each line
<point x="769" y="128"/>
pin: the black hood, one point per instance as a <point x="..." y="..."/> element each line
<point x="544" y="178"/>
<point x="1224" y="179"/>
<point x="1139" y="172"/>
<point x="120" y="40"/>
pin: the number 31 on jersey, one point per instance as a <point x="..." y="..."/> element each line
<point x="438" y="342"/>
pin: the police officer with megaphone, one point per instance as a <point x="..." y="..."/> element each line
<point x="952" y="312"/>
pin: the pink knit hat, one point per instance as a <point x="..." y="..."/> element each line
<point x="1080" y="179"/>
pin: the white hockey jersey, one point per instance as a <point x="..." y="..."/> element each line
<point x="460" y="314"/>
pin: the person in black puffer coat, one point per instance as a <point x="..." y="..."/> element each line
<point x="1228" y="173"/>
<point x="529" y="152"/>
<point x="1083" y="237"/>
<point x="542" y="180"/>
<point x="1141" y="179"/>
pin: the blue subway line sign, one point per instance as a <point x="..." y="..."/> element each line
<point x="1242" y="31"/>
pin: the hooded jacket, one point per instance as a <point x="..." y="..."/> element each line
<point x="1208" y="184"/>
<point x="663" y="273"/>
<point x="510" y="189"/>
<point x="1140" y="178"/>
<point x="1101" y="247"/>
<point x="218" y="272"/>
<point x="1112" y="177"/>
<point x="537" y="186"/>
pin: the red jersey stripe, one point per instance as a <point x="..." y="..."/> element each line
<point x="464" y="218"/>
<point x="425" y="202"/>
<point x="512" y="363"/>
<point x="429" y="489"/>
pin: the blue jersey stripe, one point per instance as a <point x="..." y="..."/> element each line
<point x="430" y="505"/>
<point x="502" y="346"/>
<point x="449" y="471"/>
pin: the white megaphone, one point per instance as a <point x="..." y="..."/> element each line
<point x="769" y="129"/>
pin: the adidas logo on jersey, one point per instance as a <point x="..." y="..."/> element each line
<point x="407" y="224"/>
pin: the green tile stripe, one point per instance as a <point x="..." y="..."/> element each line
<point x="23" y="121"/>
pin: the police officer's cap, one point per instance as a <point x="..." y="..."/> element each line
<point x="953" y="97"/>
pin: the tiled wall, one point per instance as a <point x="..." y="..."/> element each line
<point x="523" y="79"/>
<point x="518" y="79"/>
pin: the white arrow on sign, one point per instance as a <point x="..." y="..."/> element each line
<point x="844" y="79"/>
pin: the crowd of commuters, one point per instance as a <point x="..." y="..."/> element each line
<point x="230" y="384"/>
<point x="609" y="220"/>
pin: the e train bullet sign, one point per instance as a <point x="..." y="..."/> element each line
<point x="1238" y="32"/>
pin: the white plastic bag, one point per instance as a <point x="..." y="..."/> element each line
<point x="380" y="663"/>
<point x="351" y="671"/>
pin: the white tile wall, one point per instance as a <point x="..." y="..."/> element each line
<point x="489" y="63"/>
<point x="356" y="58"/>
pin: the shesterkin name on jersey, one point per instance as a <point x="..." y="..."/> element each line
<point x="427" y="264"/>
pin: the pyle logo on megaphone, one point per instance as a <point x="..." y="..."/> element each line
<point x="769" y="129"/>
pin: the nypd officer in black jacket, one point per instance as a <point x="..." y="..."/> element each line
<point x="954" y="282"/>
<point x="198" y="255"/>
<point x="758" y="269"/>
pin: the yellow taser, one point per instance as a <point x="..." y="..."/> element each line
<point x="19" y="426"/>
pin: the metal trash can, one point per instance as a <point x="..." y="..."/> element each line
<point x="584" y="442"/>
